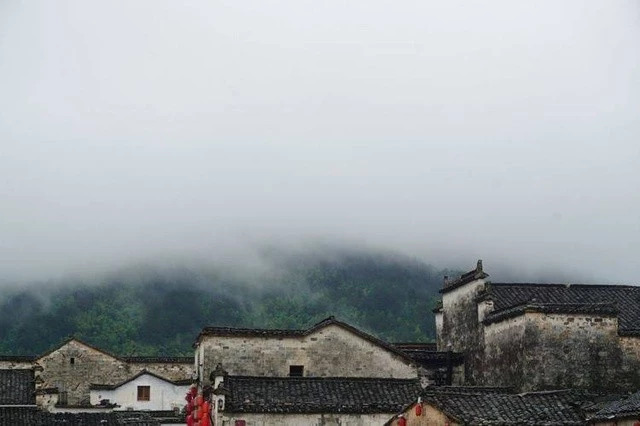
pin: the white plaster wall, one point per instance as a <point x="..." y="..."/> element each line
<point x="163" y="395"/>
<point x="331" y="351"/>
<point x="307" y="419"/>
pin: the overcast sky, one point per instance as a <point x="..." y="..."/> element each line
<point x="446" y="130"/>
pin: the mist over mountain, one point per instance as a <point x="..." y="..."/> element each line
<point x="159" y="309"/>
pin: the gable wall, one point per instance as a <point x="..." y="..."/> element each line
<point x="163" y="395"/>
<point x="431" y="416"/>
<point x="90" y="366"/>
<point x="461" y="331"/>
<point x="331" y="351"/>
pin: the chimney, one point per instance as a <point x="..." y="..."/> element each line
<point x="479" y="266"/>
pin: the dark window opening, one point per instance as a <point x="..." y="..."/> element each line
<point x="241" y="423"/>
<point x="72" y="360"/>
<point x="296" y="370"/>
<point x="144" y="393"/>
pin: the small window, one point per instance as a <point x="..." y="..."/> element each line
<point x="144" y="393"/>
<point x="296" y="370"/>
<point x="72" y="360"/>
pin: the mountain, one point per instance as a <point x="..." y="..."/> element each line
<point x="159" y="310"/>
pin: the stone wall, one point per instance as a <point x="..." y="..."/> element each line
<point x="331" y="351"/>
<point x="74" y="366"/>
<point x="461" y="330"/>
<point x="538" y="351"/>
<point x="228" y="419"/>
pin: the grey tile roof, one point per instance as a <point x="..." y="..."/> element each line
<point x="23" y="416"/>
<point x="513" y="298"/>
<point x="498" y="408"/>
<point x="17" y="387"/>
<point x="429" y="357"/>
<point x="628" y="406"/>
<point x="318" y="394"/>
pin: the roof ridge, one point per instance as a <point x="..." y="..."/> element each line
<point x="327" y="379"/>
<point x="502" y="284"/>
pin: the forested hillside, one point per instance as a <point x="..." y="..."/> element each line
<point x="160" y="310"/>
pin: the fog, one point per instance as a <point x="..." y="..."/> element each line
<point x="447" y="131"/>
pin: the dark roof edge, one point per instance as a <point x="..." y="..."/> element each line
<point x="466" y="278"/>
<point x="601" y="309"/>
<point x="132" y="378"/>
<point x="325" y="379"/>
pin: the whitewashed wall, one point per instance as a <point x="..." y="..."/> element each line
<point x="163" y="395"/>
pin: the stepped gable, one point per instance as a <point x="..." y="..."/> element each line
<point x="17" y="387"/>
<point x="311" y="395"/>
<point x="511" y="299"/>
<point x="281" y="333"/>
<point x="471" y="276"/>
<point x="488" y="407"/>
<point x="622" y="408"/>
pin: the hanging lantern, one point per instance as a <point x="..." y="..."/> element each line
<point x="199" y="400"/>
<point x="402" y="421"/>
<point x="194" y="391"/>
<point x="418" y="409"/>
<point x="190" y="420"/>
<point x="206" y="407"/>
<point x="206" y="420"/>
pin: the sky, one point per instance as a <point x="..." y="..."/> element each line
<point x="445" y="130"/>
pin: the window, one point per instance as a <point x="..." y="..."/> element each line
<point x="144" y="393"/>
<point x="296" y="370"/>
<point x="72" y="360"/>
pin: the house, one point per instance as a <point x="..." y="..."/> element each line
<point x="542" y="336"/>
<point x="68" y="370"/>
<point x="302" y="401"/>
<point x="18" y="406"/>
<point x="453" y="406"/>
<point x="624" y="411"/>
<point x="143" y="391"/>
<point x="330" y="348"/>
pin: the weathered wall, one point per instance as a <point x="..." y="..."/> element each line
<point x="430" y="416"/>
<point x="331" y="351"/>
<point x="461" y="331"/>
<point x="228" y="419"/>
<point x="504" y="346"/>
<point x="162" y="395"/>
<point x="575" y="351"/>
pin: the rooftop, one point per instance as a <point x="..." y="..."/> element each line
<point x="318" y="394"/>
<point x="490" y="407"/>
<point x="511" y="299"/>
<point x="628" y="406"/>
<point x="17" y="387"/>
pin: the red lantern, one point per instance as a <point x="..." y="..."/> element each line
<point x="206" y="420"/>
<point x="195" y="414"/>
<point x="402" y="421"/>
<point x="205" y="407"/>
<point x="199" y="400"/>
<point x="418" y="409"/>
<point x="190" y="420"/>
<point x="194" y="391"/>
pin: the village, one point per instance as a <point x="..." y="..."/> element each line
<point x="505" y="354"/>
